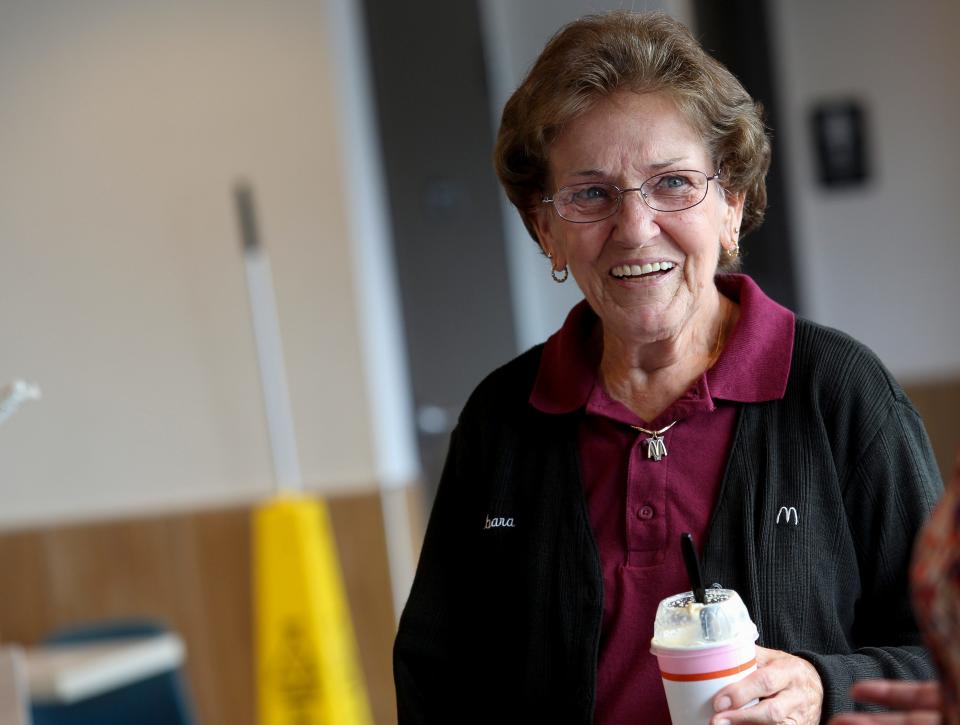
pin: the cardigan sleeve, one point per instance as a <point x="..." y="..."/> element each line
<point x="425" y="671"/>
<point x="892" y="489"/>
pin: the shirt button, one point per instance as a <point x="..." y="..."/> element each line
<point x="645" y="513"/>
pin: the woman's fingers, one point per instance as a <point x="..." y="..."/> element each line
<point x="788" y="687"/>
<point x="918" y="702"/>
<point x="784" y="707"/>
<point x="898" y="695"/>
<point x="925" y="717"/>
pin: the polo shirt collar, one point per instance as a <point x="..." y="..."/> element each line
<point x="753" y="367"/>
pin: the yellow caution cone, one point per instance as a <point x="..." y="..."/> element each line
<point x="308" y="672"/>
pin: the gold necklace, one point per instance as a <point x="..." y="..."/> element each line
<point x="656" y="447"/>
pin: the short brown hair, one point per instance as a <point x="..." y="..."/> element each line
<point x="598" y="55"/>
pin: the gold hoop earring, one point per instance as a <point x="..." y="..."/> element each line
<point x="560" y="275"/>
<point x="734" y="251"/>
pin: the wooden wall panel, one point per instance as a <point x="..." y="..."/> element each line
<point x="25" y="601"/>
<point x="939" y="404"/>
<point x="192" y="570"/>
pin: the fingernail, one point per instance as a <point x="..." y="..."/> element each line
<point x="723" y="722"/>
<point x="722" y="703"/>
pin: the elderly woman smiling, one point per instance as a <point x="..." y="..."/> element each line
<point x="675" y="398"/>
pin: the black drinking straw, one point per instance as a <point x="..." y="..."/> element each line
<point x="692" y="563"/>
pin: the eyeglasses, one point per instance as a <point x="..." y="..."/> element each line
<point x="594" y="201"/>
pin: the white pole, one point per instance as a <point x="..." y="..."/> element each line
<point x="269" y="343"/>
<point x="378" y="300"/>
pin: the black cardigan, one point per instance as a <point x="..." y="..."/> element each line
<point x="822" y="496"/>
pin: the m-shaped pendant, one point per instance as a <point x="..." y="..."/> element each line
<point x="656" y="448"/>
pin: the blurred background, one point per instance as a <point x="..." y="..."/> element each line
<point x="363" y="130"/>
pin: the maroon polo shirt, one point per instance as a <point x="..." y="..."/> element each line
<point x="639" y="507"/>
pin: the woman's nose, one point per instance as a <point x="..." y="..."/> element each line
<point x="635" y="218"/>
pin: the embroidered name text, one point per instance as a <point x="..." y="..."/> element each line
<point x="499" y="522"/>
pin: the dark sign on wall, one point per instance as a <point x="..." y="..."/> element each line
<point x="839" y="139"/>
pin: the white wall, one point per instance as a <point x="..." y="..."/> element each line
<point x="880" y="262"/>
<point x="122" y="128"/>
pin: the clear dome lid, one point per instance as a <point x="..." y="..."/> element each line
<point x="683" y="622"/>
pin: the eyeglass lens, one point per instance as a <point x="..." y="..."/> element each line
<point x="669" y="191"/>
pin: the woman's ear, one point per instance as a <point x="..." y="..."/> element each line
<point x="734" y="217"/>
<point x="541" y="220"/>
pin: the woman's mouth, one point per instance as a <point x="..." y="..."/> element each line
<point x="634" y="271"/>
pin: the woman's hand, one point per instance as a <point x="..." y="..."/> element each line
<point x="918" y="703"/>
<point x="788" y="687"/>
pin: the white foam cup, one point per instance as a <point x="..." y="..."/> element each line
<point x="702" y="648"/>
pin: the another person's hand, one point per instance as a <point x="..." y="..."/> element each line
<point x="916" y="703"/>
<point x="789" y="689"/>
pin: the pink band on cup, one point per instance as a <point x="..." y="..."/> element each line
<point x="709" y="675"/>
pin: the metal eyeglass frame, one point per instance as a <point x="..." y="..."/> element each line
<point x="621" y="192"/>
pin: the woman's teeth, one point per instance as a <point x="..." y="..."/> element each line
<point x="637" y="270"/>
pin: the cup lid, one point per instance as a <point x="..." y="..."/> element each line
<point x="681" y="621"/>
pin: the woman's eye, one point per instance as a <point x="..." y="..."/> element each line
<point x="592" y="193"/>
<point x="673" y="182"/>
